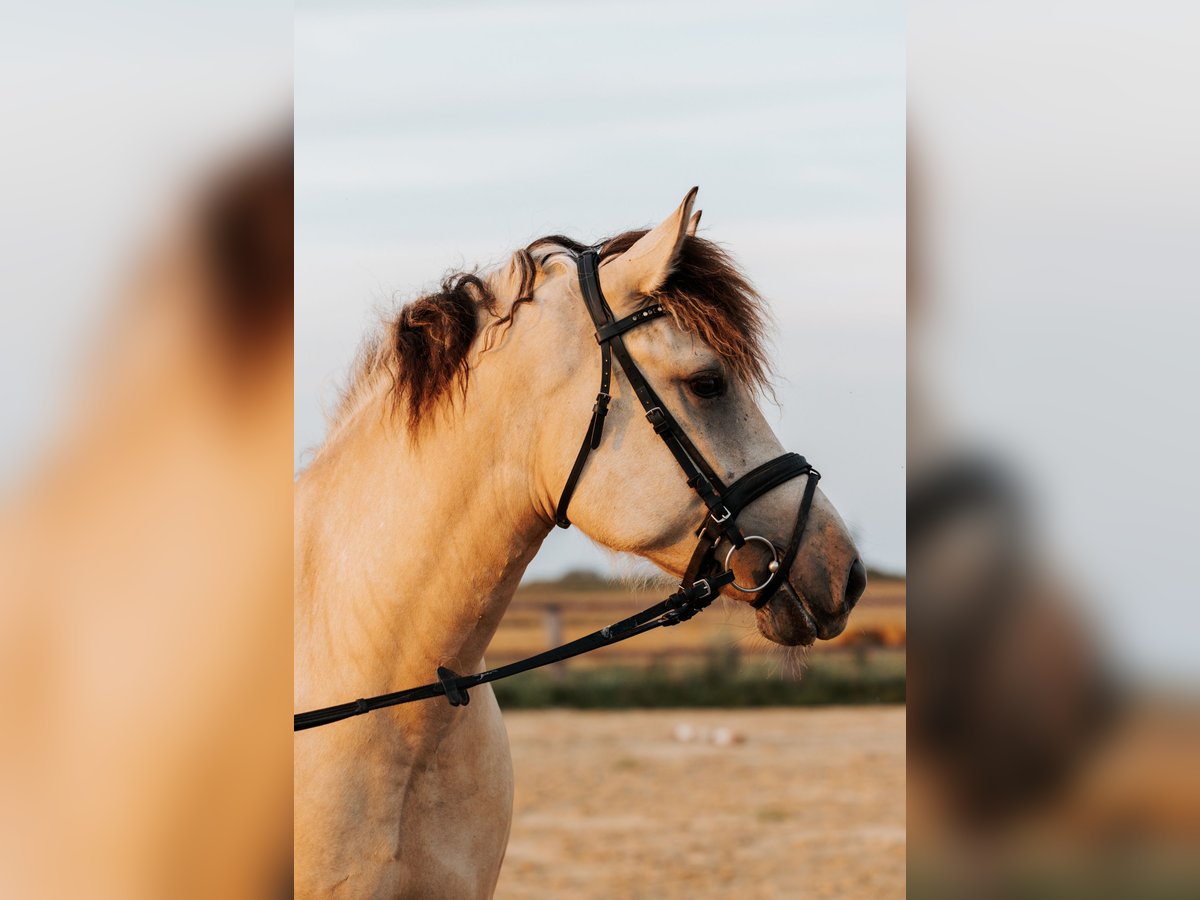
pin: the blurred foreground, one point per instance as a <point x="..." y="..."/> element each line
<point x="145" y="477"/>
<point x="798" y="803"/>
<point x="145" y="573"/>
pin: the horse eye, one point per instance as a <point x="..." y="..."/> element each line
<point x="707" y="386"/>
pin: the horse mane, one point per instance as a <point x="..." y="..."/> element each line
<point x="424" y="349"/>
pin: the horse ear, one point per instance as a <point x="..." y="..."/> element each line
<point x="694" y="223"/>
<point x="644" y="267"/>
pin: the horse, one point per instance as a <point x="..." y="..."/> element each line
<point x="438" y="481"/>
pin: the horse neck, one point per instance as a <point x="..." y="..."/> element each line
<point x="409" y="551"/>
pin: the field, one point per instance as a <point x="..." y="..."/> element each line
<point x="757" y="789"/>
<point x="785" y="803"/>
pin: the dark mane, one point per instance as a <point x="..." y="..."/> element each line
<point x="708" y="295"/>
<point x="425" y="349"/>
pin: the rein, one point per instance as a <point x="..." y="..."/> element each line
<point x="704" y="577"/>
<point x="679" y="607"/>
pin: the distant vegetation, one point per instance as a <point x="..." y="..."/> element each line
<point x="722" y="680"/>
<point x="576" y="580"/>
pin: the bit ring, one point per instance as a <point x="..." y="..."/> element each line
<point x="773" y="566"/>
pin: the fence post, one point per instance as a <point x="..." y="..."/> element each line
<point x="554" y="635"/>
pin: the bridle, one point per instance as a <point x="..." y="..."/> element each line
<point x="703" y="578"/>
<point x="723" y="502"/>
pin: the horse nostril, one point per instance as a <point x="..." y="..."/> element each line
<point x="856" y="583"/>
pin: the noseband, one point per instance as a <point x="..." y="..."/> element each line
<point x="703" y="578"/>
<point x="723" y="502"/>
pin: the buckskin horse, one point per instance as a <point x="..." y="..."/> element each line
<point x="453" y="454"/>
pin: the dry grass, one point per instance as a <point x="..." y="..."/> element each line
<point x="611" y="805"/>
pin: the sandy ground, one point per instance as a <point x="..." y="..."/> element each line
<point x="611" y="804"/>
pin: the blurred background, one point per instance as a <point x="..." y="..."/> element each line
<point x="443" y="136"/>
<point x="1053" y="226"/>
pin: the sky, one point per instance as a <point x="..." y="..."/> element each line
<point x="442" y="136"/>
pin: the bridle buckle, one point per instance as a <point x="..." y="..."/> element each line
<point x="658" y="419"/>
<point x="719" y="520"/>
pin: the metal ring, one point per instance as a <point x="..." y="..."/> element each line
<point x="775" y="559"/>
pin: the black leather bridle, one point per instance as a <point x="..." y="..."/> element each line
<point x="723" y="502"/>
<point x="703" y="578"/>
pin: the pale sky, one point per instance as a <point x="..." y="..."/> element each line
<point x="448" y="135"/>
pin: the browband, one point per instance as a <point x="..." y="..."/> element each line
<point x="608" y="332"/>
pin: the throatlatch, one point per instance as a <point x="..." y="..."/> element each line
<point x="702" y="581"/>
